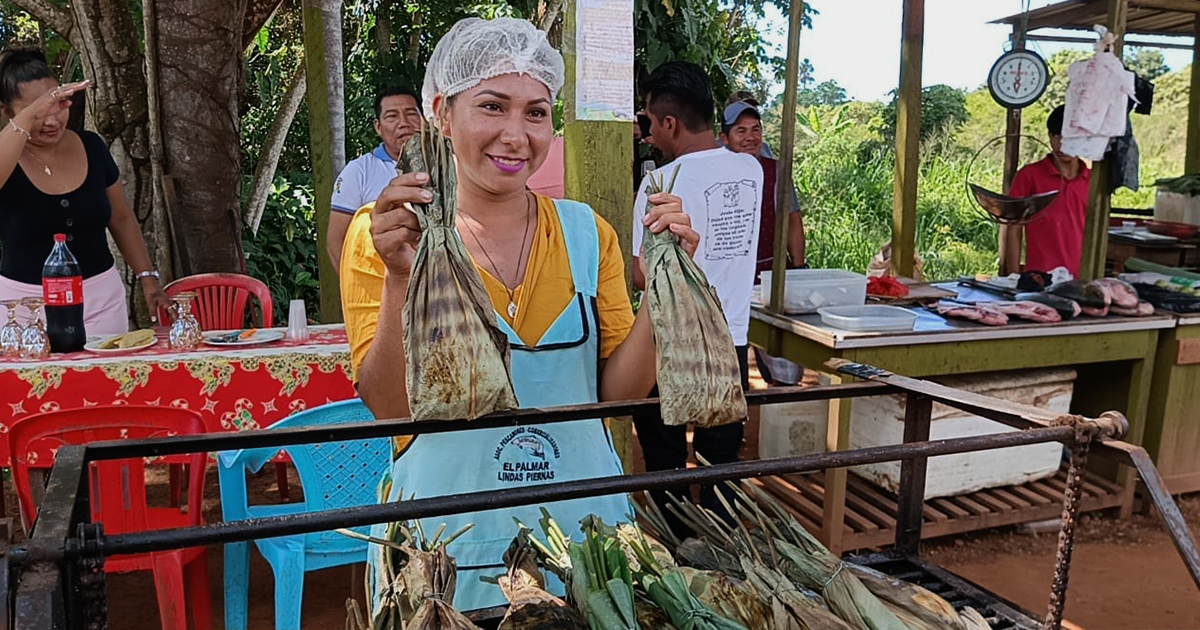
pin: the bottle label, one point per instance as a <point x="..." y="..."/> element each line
<point x="63" y="291"/>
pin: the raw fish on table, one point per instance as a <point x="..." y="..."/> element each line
<point x="1067" y="309"/>
<point x="1087" y="294"/>
<point x="974" y="312"/>
<point x="1121" y="293"/>
<point x="1029" y="310"/>
<point x="1143" y="309"/>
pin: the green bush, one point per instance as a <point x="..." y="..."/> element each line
<point x="284" y="252"/>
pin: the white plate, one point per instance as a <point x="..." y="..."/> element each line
<point x="93" y="346"/>
<point x="259" y="336"/>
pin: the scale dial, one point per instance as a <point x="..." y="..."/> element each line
<point x="1018" y="78"/>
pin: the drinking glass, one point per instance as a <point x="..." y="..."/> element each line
<point x="185" y="330"/>
<point x="10" y="334"/>
<point x="34" y="342"/>
<point x="297" y="321"/>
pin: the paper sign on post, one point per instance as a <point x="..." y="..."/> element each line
<point x="604" y="60"/>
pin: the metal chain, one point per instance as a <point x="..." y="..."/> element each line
<point x="91" y="578"/>
<point x="1066" y="535"/>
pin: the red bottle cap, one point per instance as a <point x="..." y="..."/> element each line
<point x="60" y="238"/>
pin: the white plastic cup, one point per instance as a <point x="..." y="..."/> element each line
<point x="1128" y="226"/>
<point x="297" y="321"/>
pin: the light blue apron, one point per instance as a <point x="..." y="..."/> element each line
<point x="560" y="370"/>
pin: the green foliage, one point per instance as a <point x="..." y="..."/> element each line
<point x="284" y="252"/>
<point x="943" y="109"/>
<point x="826" y="93"/>
<point x="1147" y="63"/>
<point x="718" y="35"/>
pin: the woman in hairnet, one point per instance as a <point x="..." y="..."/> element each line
<point x="555" y="275"/>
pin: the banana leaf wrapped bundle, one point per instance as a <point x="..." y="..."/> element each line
<point x="418" y="578"/>
<point x="596" y="572"/>
<point x="730" y="598"/>
<point x="668" y="587"/>
<point x="698" y="376"/>
<point x="917" y="607"/>
<point x="530" y="606"/>
<point x="791" y="608"/>
<point x="457" y="358"/>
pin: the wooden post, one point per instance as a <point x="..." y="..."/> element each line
<point x="1191" y="164"/>
<point x="1011" y="235"/>
<point x="597" y="170"/>
<point x="908" y="140"/>
<point x="1095" y="230"/>
<point x="322" y="147"/>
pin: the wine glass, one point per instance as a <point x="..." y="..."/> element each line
<point x="10" y="334"/>
<point x="34" y="342"/>
<point x="185" y="330"/>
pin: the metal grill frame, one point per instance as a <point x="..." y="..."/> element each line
<point x="55" y="569"/>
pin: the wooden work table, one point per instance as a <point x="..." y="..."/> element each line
<point x="1172" y="434"/>
<point x="1113" y="357"/>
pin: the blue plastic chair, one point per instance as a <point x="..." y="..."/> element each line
<point x="332" y="475"/>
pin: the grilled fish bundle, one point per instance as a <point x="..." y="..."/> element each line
<point x="457" y="358"/>
<point x="698" y="375"/>
<point x="530" y="606"/>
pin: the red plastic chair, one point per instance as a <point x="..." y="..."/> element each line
<point x="221" y="302"/>
<point x="118" y="494"/>
<point x="221" y="299"/>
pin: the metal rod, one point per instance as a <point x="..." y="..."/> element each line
<point x="160" y="540"/>
<point x="1177" y="527"/>
<point x="212" y="442"/>
<point x="918" y="412"/>
<point x="1141" y="43"/>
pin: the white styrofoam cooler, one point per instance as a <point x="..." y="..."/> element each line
<point x="799" y="428"/>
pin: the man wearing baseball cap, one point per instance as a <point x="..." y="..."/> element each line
<point x="741" y="132"/>
<point x="742" y="96"/>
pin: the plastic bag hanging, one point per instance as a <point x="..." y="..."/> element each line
<point x="457" y="358"/>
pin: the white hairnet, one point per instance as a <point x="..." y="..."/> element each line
<point x="475" y="50"/>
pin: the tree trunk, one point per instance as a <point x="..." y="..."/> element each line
<point x="383" y="28"/>
<point x="326" y="129"/>
<point x="199" y="49"/>
<point x="268" y="158"/>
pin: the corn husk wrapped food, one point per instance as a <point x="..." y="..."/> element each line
<point x="698" y="376"/>
<point x="596" y="573"/>
<point x="418" y="577"/>
<point x="457" y="358"/>
<point x="530" y="606"/>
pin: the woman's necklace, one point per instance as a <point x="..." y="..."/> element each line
<point x="512" y="302"/>
<point x="45" y="167"/>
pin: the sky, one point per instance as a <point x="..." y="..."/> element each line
<point x="857" y="42"/>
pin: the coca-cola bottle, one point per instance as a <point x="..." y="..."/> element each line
<point x="62" y="288"/>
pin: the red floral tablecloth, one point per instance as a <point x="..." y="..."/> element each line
<point x="234" y="388"/>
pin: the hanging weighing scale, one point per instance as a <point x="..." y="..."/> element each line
<point x="1017" y="80"/>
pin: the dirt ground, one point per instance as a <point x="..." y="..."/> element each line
<point x="1125" y="574"/>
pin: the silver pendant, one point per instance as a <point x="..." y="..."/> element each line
<point x="512" y="310"/>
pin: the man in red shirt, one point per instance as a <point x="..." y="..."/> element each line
<point x="1054" y="238"/>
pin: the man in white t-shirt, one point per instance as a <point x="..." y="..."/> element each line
<point x="397" y="118"/>
<point x="722" y="193"/>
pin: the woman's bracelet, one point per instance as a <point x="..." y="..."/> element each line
<point x="13" y="124"/>
<point x="141" y="275"/>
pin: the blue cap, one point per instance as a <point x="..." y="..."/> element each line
<point x="735" y="110"/>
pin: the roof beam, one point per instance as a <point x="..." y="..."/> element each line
<point x="1092" y="40"/>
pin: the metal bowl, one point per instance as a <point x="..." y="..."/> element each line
<point x="1011" y="210"/>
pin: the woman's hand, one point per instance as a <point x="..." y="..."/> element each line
<point x="48" y="104"/>
<point x="667" y="213"/>
<point x="394" y="228"/>
<point x="155" y="298"/>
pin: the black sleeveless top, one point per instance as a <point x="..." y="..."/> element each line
<point x="29" y="218"/>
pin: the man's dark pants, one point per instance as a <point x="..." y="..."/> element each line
<point x="665" y="448"/>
